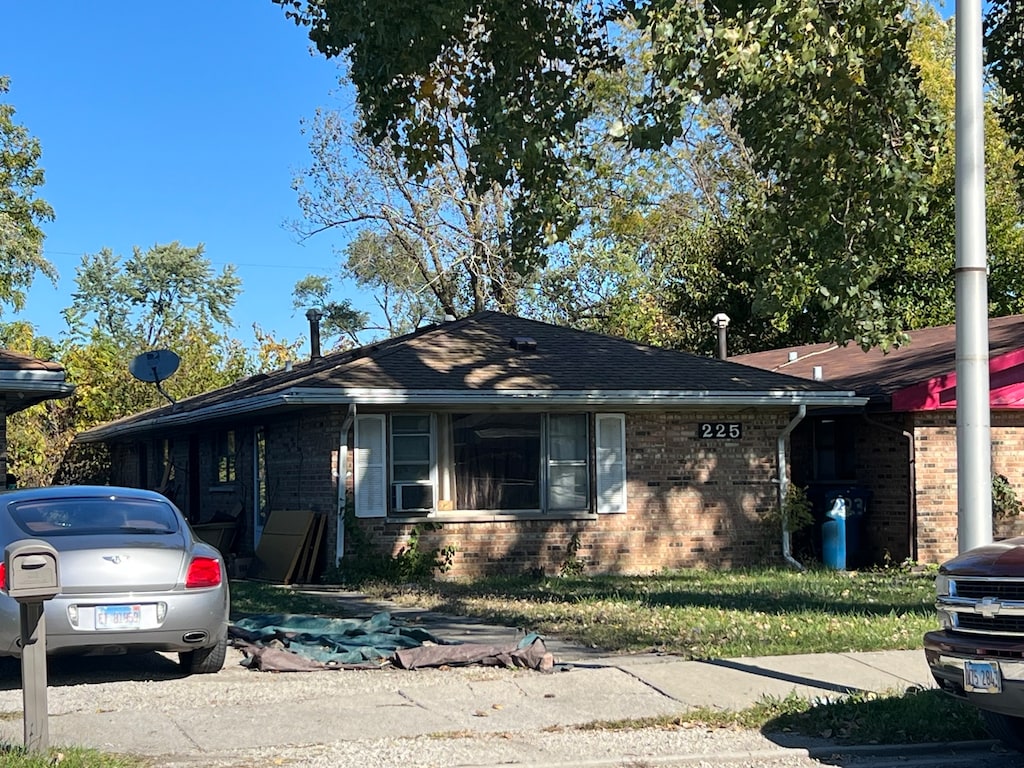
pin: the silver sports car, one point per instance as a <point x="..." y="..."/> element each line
<point x="133" y="577"/>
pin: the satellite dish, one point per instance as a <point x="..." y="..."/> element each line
<point x="155" y="366"/>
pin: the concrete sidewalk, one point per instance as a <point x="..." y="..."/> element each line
<point x="470" y="716"/>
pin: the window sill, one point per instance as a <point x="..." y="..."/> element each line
<point x="489" y="517"/>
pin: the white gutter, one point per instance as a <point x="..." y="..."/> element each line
<point x="346" y="425"/>
<point x="787" y="545"/>
<point x="299" y="396"/>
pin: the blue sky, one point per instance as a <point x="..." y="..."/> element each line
<point x="163" y="121"/>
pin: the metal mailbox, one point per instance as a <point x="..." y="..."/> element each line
<point x="31" y="571"/>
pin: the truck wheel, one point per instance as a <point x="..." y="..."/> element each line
<point x="1006" y="728"/>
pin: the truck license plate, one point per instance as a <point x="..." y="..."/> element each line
<point x="982" y="677"/>
<point x="118" y="616"/>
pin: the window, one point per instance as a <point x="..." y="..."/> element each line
<point x="568" y="465"/>
<point x="411" y="461"/>
<point x="499" y="462"/>
<point x="224" y="458"/>
<point x="496" y="460"/>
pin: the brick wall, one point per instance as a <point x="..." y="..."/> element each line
<point x="937" y="503"/>
<point x="691" y="503"/>
<point x="935" y="449"/>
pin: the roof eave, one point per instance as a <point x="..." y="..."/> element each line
<point x="301" y="396"/>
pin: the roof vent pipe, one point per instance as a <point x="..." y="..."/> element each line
<point x="793" y="356"/>
<point x="314" y="315"/>
<point x="721" y="322"/>
<point x="816" y="373"/>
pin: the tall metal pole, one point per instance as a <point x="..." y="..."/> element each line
<point x="973" y="424"/>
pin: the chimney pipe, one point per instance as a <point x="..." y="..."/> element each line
<point x="314" y="315"/>
<point x="721" y="321"/>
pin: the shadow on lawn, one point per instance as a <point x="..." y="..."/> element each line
<point x="867" y="595"/>
<point x="858" y="718"/>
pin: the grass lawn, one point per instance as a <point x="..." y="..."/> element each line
<point x="695" y="614"/>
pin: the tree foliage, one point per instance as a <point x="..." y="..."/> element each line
<point x="824" y="96"/>
<point x="22" y="211"/>
<point x="426" y="246"/>
<point x="1004" y="55"/>
<point x="512" y="70"/>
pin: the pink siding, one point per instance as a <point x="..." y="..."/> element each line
<point x="1006" y="384"/>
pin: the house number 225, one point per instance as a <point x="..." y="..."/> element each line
<point x="719" y="430"/>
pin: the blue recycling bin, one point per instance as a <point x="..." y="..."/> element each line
<point x="833" y="535"/>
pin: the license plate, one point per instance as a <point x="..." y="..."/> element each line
<point x="118" y="616"/>
<point x="982" y="677"/>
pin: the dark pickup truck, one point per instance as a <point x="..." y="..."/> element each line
<point x="978" y="654"/>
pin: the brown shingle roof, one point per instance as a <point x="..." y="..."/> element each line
<point x="930" y="353"/>
<point x="476" y="355"/>
<point x="15" y="361"/>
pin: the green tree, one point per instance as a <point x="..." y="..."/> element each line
<point x="166" y="297"/>
<point x="1004" y="56"/>
<point x="674" y="260"/>
<point x="22" y="212"/>
<point x="823" y="94"/>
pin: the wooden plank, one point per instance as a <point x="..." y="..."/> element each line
<point x="313" y="553"/>
<point x="282" y="544"/>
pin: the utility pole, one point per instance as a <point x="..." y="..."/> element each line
<point x="973" y="422"/>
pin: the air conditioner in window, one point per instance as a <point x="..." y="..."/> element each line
<point x="413" y="497"/>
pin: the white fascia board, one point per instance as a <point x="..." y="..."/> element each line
<point x="55" y="387"/>
<point x="31" y="375"/>
<point x="313" y="396"/>
<point x="447" y="397"/>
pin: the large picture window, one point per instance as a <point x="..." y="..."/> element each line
<point x="495" y="462"/>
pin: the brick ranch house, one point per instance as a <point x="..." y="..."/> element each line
<point x="26" y="381"/>
<point x="519" y="438"/>
<point x="899" y="454"/>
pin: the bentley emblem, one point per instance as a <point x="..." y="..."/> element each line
<point x="115" y="559"/>
<point x="989" y="607"/>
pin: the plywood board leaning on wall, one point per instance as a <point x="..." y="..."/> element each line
<point x="284" y="543"/>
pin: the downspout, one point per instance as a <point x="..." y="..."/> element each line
<point x="911" y="483"/>
<point x="787" y="544"/>
<point x="346" y="425"/>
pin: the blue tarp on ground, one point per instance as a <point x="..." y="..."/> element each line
<point x="296" y="642"/>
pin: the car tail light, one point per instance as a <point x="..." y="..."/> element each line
<point x="203" y="572"/>
<point x="3" y="576"/>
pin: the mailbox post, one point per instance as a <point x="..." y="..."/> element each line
<point x="32" y="577"/>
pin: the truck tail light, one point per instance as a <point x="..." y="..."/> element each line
<point x="203" y="572"/>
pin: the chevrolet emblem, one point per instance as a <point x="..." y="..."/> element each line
<point x="989" y="607"/>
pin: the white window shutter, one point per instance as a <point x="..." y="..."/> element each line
<point x="370" y="466"/>
<point x="611" y="462"/>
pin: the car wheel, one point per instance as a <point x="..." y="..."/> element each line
<point x="1006" y="728"/>
<point x="205" y="661"/>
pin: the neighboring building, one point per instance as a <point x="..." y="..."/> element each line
<point x="24" y="382"/>
<point x="523" y="440"/>
<point x="898" y="458"/>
